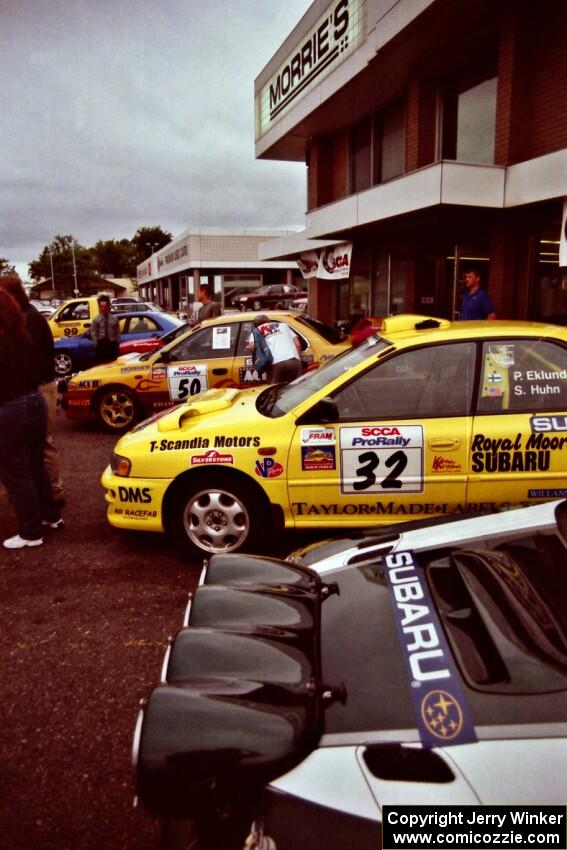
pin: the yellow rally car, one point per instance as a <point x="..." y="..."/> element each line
<point x="214" y="354"/>
<point x="427" y="418"/>
<point x="73" y="317"/>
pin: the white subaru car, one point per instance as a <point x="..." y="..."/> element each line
<point x="424" y="668"/>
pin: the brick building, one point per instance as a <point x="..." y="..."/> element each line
<point x="434" y="133"/>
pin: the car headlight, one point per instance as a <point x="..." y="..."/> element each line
<point x="120" y="465"/>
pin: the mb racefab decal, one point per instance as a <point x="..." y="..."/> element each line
<point x="442" y="715"/>
<point x="504" y="454"/>
<point x="381" y="458"/>
<point x="185" y="381"/>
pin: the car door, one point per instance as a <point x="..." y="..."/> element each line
<point x="73" y="318"/>
<point x="399" y="446"/>
<point x="519" y="442"/>
<point x="139" y="327"/>
<point x="202" y="360"/>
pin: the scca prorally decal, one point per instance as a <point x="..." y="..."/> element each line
<point x="380" y="458"/>
<point x="442" y="715"/>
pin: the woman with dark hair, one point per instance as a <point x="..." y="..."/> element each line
<point x="23" y="424"/>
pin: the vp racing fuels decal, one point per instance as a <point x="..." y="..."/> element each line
<point x="382" y="459"/>
<point x="442" y="715"/>
<point x="185" y="381"/>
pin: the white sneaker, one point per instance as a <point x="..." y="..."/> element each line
<point x="17" y="542"/>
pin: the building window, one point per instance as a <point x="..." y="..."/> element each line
<point x="392" y="150"/>
<point x="469" y="120"/>
<point x="377" y="151"/>
<point x="361" y="155"/>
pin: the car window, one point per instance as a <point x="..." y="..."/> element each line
<point x="74" y="312"/>
<point x="207" y="343"/>
<point x="141" y="324"/>
<point x="523" y="375"/>
<point x="246" y="330"/>
<point x="435" y="380"/>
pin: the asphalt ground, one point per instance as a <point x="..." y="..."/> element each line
<point x="85" y="620"/>
<point x="84" y="623"/>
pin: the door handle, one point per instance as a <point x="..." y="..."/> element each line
<point x="220" y="371"/>
<point x="447" y="444"/>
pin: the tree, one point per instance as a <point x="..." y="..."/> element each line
<point x="112" y="258"/>
<point x="6" y="267"/>
<point x="60" y="253"/>
<point x="146" y="241"/>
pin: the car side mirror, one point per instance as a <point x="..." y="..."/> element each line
<point x="165" y="357"/>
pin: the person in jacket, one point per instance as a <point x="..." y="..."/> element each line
<point x="23" y="426"/>
<point x="40" y="333"/>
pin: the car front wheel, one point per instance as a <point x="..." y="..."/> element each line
<point x="219" y="514"/>
<point x="63" y="364"/>
<point x="116" y="409"/>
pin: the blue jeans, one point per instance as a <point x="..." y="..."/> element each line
<point x="23" y="427"/>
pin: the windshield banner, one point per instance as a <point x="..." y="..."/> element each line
<point x="443" y="718"/>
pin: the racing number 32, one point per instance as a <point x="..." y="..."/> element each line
<point x="370" y="460"/>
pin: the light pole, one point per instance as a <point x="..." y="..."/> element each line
<point x="152" y="246"/>
<point x="75" y="270"/>
<point x="52" y="275"/>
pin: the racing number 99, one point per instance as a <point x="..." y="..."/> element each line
<point x="396" y="462"/>
<point x="188" y="386"/>
<point x="71" y="331"/>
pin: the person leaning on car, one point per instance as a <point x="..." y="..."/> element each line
<point x="105" y="332"/>
<point x="40" y="332"/>
<point x="285" y="348"/>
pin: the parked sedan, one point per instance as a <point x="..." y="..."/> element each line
<point x="73" y="354"/>
<point x="297" y="704"/>
<point x="275" y="296"/>
<point x="152" y="343"/>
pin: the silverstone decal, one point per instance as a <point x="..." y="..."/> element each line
<point x="557" y="493"/>
<point x="317" y="457"/>
<point x="442" y="715"/>
<point x="211" y="456"/>
<point x="504" y="454"/>
<point x="548" y="423"/>
<point x="185" y="381"/>
<point x="268" y="468"/>
<point x="445" y="464"/>
<point x="309" y="436"/>
<point x="375" y="458"/>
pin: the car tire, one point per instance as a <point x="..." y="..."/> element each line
<point x="179" y="834"/>
<point x="256" y="305"/>
<point x="218" y="513"/>
<point x="116" y="408"/>
<point x="63" y="364"/>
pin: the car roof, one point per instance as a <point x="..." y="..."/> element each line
<point x="409" y="326"/>
<point x="250" y="315"/>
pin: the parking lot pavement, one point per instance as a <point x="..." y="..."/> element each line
<point x="85" y="619"/>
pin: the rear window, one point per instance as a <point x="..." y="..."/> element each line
<point x="329" y="334"/>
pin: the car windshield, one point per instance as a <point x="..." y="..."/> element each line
<point x="332" y="335"/>
<point x="280" y="399"/>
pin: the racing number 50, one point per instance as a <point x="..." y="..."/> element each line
<point x="188" y="386"/>
<point x="396" y="463"/>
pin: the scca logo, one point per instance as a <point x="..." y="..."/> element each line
<point x="383" y="431"/>
<point x="332" y="261"/>
<point x="134" y="494"/>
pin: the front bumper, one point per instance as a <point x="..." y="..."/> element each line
<point x="134" y="503"/>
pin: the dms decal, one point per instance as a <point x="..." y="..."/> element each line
<point x="317" y="457"/>
<point x="440" y="709"/>
<point x="509" y="455"/>
<point x="548" y="423"/>
<point x="268" y="468"/>
<point x="317" y="435"/>
<point x="445" y="464"/>
<point x="211" y="457"/>
<point x="135" y="494"/>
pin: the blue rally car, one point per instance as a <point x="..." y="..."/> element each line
<point x="75" y="353"/>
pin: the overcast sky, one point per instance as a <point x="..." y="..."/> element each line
<point x="118" y="114"/>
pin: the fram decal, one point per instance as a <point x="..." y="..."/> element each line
<point x="440" y="709"/>
<point x="268" y="468"/>
<point x="211" y="457"/>
<point x="317" y="435"/>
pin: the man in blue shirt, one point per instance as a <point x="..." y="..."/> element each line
<point x="476" y="302"/>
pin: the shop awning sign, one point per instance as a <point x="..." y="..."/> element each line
<point x="328" y="263"/>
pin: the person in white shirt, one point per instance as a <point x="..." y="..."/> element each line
<point x="285" y="347"/>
